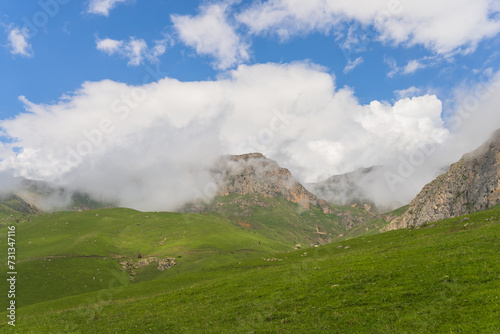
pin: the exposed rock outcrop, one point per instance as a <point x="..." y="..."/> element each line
<point x="133" y="264"/>
<point x="253" y="173"/>
<point x="470" y="185"/>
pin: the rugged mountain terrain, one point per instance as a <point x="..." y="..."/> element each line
<point x="255" y="192"/>
<point x="470" y="185"/>
<point x="348" y="189"/>
<point x="253" y="173"/>
<point x="12" y="204"/>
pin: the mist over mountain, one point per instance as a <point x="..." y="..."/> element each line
<point x="157" y="155"/>
<point x="255" y="192"/>
<point x="31" y="196"/>
<point x="361" y="188"/>
<point x="472" y="184"/>
<point x="254" y="173"/>
<point x="153" y="149"/>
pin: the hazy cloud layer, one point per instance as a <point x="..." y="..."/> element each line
<point x="149" y="146"/>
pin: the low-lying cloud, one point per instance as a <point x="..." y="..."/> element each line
<point x="150" y="147"/>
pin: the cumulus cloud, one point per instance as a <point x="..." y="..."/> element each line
<point x="135" y="50"/>
<point x="102" y="7"/>
<point x="109" y="46"/>
<point x="210" y="34"/>
<point x="150" y="146"/>
<point x="444" y="27"/>
<point x="18" y="42"/>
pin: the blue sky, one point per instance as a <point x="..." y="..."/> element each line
<point x="382" y="77"/>
<point x="64" y="52"/>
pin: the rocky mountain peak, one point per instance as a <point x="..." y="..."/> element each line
<point x="472" y="184"/>
<point x="246" y="156"/>
<point x="253" y="173"/>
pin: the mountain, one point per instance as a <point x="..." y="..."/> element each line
<point x="256" y="193"/>
<point x="43" y="197"/>
<point x="470" y="185"/>
<point x="14" y="205"/>
<point x="254" y="173"/>
<point x="92" y="271"/>
<point x="348" y="189"/>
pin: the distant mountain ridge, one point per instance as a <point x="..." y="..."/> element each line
<point x="34" y="196"/>
<point x="346" y="189"/>
<point x="470" y="185"/>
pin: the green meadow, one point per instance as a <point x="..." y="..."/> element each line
<point x="230" y="278"/>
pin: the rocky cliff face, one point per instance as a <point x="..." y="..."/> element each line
<point x="255" y="174"/>
<point x="253" y="178"/>
<point x="470" y="185"/>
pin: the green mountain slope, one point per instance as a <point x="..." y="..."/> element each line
<point x="67" y="253"/>
<point x="255" y="192"/>
<point x="289" y="222"/>
<point x="14" y="208"/>
<point x="441" y="278"/>
<point x="87" y="249"/>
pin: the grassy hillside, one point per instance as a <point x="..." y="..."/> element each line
<point x="286" y="221"/>
<point x="82" y="251"/>
<point x="442" y="278"/>
<point x="375" y="225"/>
<point x="15" y="206"/>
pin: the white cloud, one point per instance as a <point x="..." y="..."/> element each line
<point x="475" y="115"/>
<point x="18" y="42"/>
<point x="352" y="64"/>
<point x="102" y="7"/>
<point x="151" y="145"/>
<point x="413" y="66"/>
<point x="210" y="34"/>
<point x="135" y="50"/>
<point x="393" y="66"/>
<point x="408" y="92"/>
<point x="444" y="27"/>
<point x="109" y="46"/>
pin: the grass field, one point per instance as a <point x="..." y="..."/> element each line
<point x="82" y="250"/>
<point x="442" y="278"/>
